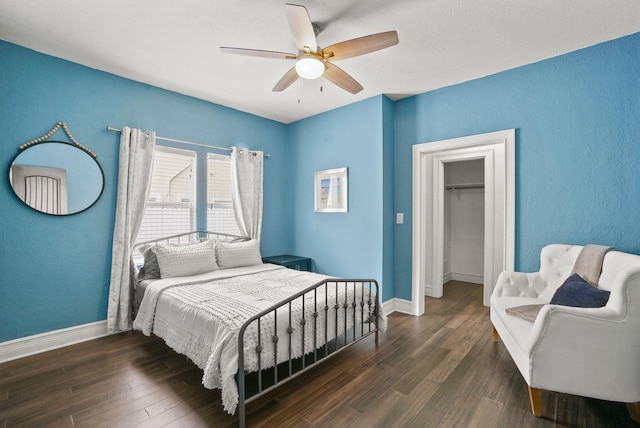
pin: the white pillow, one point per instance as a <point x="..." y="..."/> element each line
<point x="185" y="260"/>
<point x="237" y="254"/>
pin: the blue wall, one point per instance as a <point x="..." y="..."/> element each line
<point x="388" y="200"/>
<point x="54" y="271"/>
<point x="342" y="244"/>
<point x="577" y="121"/>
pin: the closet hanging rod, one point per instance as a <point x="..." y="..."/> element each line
<point x="112" y="129"/>
<point x="464" y="186"/>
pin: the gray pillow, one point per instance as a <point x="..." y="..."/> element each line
<point x="150" y="269"/>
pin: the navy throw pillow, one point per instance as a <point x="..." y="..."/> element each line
<point x="577" y="292"/>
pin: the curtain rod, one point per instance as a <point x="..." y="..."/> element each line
<point x="112" y="129"/>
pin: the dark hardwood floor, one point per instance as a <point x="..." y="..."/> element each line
<point x="439" y="370"/>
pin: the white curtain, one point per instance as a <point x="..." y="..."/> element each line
<point x="246" y="173"/>
<point x="134" y="174"/>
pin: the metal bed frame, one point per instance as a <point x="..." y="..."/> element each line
<point x="322" y="348"/>
<point x="192" y="236"/>
<point x="269" y="378"/>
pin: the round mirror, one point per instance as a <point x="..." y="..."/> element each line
<point x="56" y="178"/>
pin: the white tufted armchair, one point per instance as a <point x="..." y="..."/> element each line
<point x="591" y="352"/>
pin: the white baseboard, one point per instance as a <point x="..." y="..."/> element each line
<point x="37" y="343"/>
<point x="446" y="278"/>
<point x="428" y="290"/>
<point x="397" y="305"/>
<point x="467" y="277"/>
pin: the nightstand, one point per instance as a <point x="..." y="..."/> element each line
<point x="289" y="261"/>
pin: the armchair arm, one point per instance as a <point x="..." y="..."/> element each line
<point x="519" y="284"/>
<point x="584" y="351"/>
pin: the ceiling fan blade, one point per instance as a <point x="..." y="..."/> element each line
<point x="337" y="76"/>
<point x="360" y="46"/>
<point x="286" y="81"/>
<point x="301" y="27"/>
<point x="258" y="53"/>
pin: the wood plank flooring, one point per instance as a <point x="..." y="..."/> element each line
<point x="439" y="370"/>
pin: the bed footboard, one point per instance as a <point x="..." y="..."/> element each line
<point x="303" y="330"/>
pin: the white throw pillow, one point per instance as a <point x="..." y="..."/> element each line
<point x="238" y="254"/>
<point x="185" y="260"/>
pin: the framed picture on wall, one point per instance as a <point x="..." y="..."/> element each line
<point x="331" y="191"/>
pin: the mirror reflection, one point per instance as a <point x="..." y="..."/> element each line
<point x="56" y="178"/>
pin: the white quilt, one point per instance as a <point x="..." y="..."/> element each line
<point x="200" y="316"/>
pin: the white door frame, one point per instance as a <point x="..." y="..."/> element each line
<point x="497" y="149"/>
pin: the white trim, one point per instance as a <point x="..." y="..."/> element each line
<point x="397" y="305"/>
<point x="497" y="149"/>
<point x="35" y="344"/>
<point x="446" y="278"/>
<point x="467" y="277"/>
<point x="428" y="290"/>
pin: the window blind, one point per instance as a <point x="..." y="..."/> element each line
<point x="220" y="213"/>
<point x="171" y="206"/>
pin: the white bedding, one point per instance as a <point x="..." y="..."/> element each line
<point x="200" y="316"/>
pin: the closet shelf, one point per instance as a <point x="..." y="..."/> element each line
<point x="464" y="186"/>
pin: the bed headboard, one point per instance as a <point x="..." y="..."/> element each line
<point x="183" y="238"/>
<point x="194" y="236"/>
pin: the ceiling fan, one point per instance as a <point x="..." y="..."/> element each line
<point x="313" y="62"/>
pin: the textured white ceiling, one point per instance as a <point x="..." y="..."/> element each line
<point x="175" y="44"/>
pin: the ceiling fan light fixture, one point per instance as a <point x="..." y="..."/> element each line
<point x="309" y="67"/>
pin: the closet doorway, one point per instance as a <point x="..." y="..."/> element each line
<point x="463" y="240"/>
<point x="496" y="151"/>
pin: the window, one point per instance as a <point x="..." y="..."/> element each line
<point x="172" y="204"/>
<point x="171" y="207"/>
<point x="220" y="213"/>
